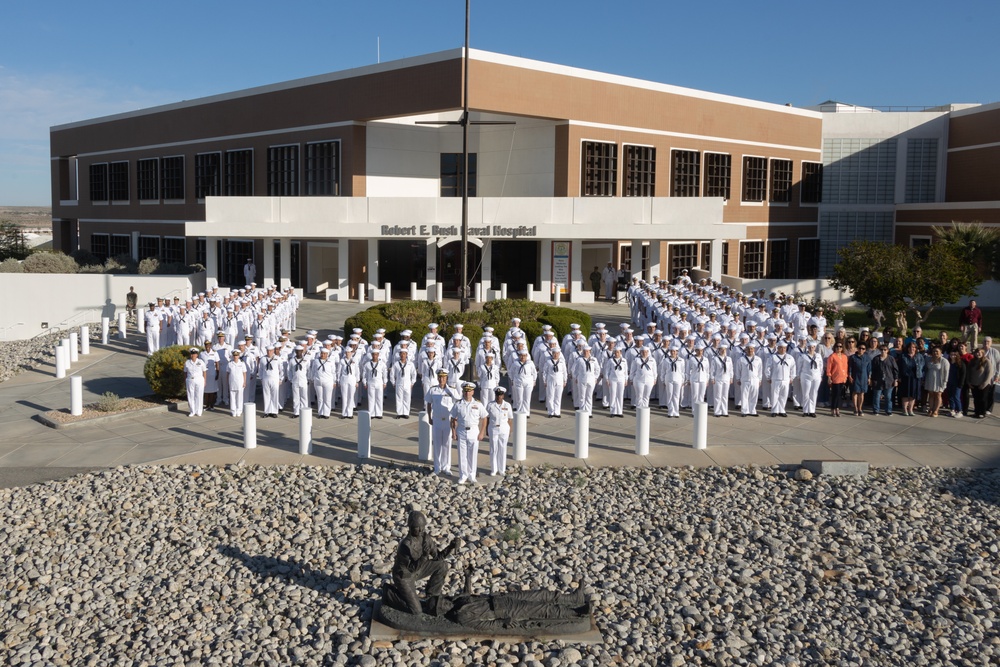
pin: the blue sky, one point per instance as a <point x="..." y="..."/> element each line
<point x="62" y="61"/>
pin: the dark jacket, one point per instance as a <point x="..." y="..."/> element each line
<point x="884" y="372"/>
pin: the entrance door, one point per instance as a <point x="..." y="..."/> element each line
<point x="400" y="263"/>
<point x="449" y="267"/>
<point x="357" y="265"/>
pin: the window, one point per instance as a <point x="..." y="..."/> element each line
<point x="706" y="256"/>
<point x="754" y="178"/>
<point x="323" y="169"/>
<point x="687" y="173"/>
<point x="148" y="178"/>
<point x="200" y="252"/>
<point x="99" y="245"/>
<point x="239" y="173"/>
<point x="99" y="182"/>
<point x="682" y="256"/>
<point x="175" y="250"/>
<point x="640" y="171"/>
<point x="207" y="175"/>
<point x="920" y="241"/>
<point x="451" y="174"/>
<point x="921" y="170"/>
<point x="752" y="259"/>
<point x="778" y="258"/>
<point x="235" y="256"/>
<point x="839" y="228"/>
<point x="812" y="183"/>
<point x="121" y="244"/>
<point x="718" y="174"/>
<point x="781" y="181"/>
<point x="283" y="171"/>
<point x="808" y="258"/>
<point x="725" y="258"/>
<point x="172" y="177"/>
<point x="600" y="169"/>
<point x="859" y="171"/>
<point x="118" y="181"/>
<point x="149" y="246"/>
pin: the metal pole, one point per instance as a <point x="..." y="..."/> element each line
<point x="464" y="288"/>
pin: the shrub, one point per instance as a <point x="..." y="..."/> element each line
<point x="148" y="266"/>
<point x="164" y="371"/>
<point x="84" y="257"/>
<point x="121" y="264"/>
<point x="11" y="265"/>
<point x="172" y="269"/>
<point x="92" y="268"/>
<point x="561" y="318"/>
<point x="108" y="402"/>
<point x="50" y="262"/>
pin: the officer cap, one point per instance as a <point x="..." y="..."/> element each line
<point x="236" y="353"/>
<point x="442" y="371"/>
<point x="248" y="337"/>
<point x="194" y="350"/>
<point x="499" y="390"/>
<point x="277" y="347"/>
<point x="468" y="386"/>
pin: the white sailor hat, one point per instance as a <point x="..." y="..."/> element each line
<point x="298" y="348"/>
<point x="812" y="343"/>
<point x="584" y="347"/>
<point x="375" y="349"/>
<point x="599" y="325"/>
<point x="378" y="335"/>
<point x="691" y="337"/>
<point x="716" y="336"/>
<point x="522" y="352"/>
<point x="488" y="330"/>
<point x="759" y="329"/>
<point x="312" y="332"/>
<point x="574" y="326"/>
<point x="744" y="336"/>
<point x="458" y="326"/>
<point x="357" y="330"/>
<point x="515" y="319"/>
<point x="782" y="343"/>
<point x="733" y="326"/>
<point x="700" y="345"/>
<point x="432" y="325"/>
<point x="456" y="337"/>
<point x="488" y="355"/>
<point x="724" y="345"/>
<point x="640" y="337"/>
<point x="381" y="331"/>
<point x="771" y="336"/>
<point x="546" y="327"/>
<point x="277" y="347"/>
<point x="406" y="332"/>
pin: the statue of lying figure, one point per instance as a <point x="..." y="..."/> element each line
<point x="518" y="612"/>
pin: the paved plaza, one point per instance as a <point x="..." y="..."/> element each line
<point x="30" y="451"/>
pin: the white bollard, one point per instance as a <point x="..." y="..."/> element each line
<point x="105" y="325"/>
<point x="388" y="293"/>
<point x="558" y="295"/>
<point x="122" y="326"/>
<point x="642" y="431"/>
<point x="60" y="361"/>
<point x="305" y="431"/>
<point x="362" y="288"/>
<point x="838" y="325"/>
<point x="531" y="292"/>
<point x="700" y="411"/>
<point x="74" y="340"/>
<point x="503" y="290"/>
<point x="140" y="319"/>
<point x="582" y="434"/>
<point x="364" y="434"/>
<point x="478" y="296"/>
<point x="85" y="339"/>
<point x="424" y="437"/>
<point x="439" y="292"/>
<point x="249" y="426"/>
<point x="76" y="395"/>
<point x="520" y="436"/>
<point x="413" y="291"/>
<point x="66" y="356"/>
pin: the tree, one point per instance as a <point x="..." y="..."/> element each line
<point x="12" y="243"/>
<point x="976" y="243"/>
<point x="896" y="279"/>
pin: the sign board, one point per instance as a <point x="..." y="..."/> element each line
<point x="561" y="265"/>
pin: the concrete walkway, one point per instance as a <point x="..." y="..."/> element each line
<point x="216" y="438"/>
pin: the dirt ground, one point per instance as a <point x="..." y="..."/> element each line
<point x="27" y="216"/>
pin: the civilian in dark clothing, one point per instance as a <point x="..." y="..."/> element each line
<point x="970" y="322"/>
<point x="884" y="380"/>
<point x="859" y="369"/>
<point x="956" y="383"/>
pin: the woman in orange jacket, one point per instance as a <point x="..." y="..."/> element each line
<point x="836" y="372"/>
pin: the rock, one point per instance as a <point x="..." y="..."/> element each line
<point x="803" y="475"/>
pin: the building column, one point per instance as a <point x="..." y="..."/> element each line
<point x="577" y="292"/>
<point x="637" y="259"/>
<point x="343" y="276"/>
<point x="211" y="262"/>
<point x="431" y="282"/>
<point x="486" y="268"/>
<point x="654" y="260"/>
<point x="716" y="272"/>
<point x="372" y="267"/>
<point x="285" y="279"/>
<point x="267" y="279"/>
<point x="135" y="246"/>
<point x="545" y="288"/>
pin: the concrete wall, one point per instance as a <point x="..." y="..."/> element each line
<point x="64" y="301"/>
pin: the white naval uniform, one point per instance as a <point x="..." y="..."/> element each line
<point x="153" y="323"/>
<point x="522" y="380"/>
<point x="555" y="374"/>
<point x="374" y="377"/>
<point x="323" y="373"/>
<point x="722" y="378"/>
<point x="489" y="379"/>
<point x="468" y="417"/>
<point x="269" y="369"/>
<point x="427" y="369"/>
<point x="499" y="417"/>
<point x="673" y="373"/>
<point x="642" y="375"/>
<point x="698" y="369"/>
<point x="297" y="372"/>
<point x="237" y="384"/>
<point x="350" y="376"/>
<point x="586" y="377"/>
<point x="194" y="382"/>
<point x="403" y="376"/>
<point x="440" y="400"/>
<point x="749" y="371"/>
<point x="780" y="370"/>
<point x="810" y="373"/>
<point x="615" y="376"/>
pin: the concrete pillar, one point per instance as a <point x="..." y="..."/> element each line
<point x="122" y="326"/>
<point x="503" y="290"/>
<point x="285" y="251"/>
<point x="413" y="291"/>
<point x="364" y="434"/>
<point x="66" y="358"/>
<point x="211" y="262"/>
<point x="250" y="425"/>
<point x="642" y="431"/>
<point x="655" y="259"/>
<point x="85" y="339"/>
<point x="431" y="270"/>
<point x="424" y="437"/>
<point x="267" y="279"/>
<point x="343" y="264"/>
<point x="558" y="294"/>
<point x="637" y="259"/>
<point x="486" y="269"/>
<point x="73" y="341"/>
<point x="362" y="290"/>
<point x="60" y="361"/>
<point x="520" y="436"/>
<point x="700" y="411"/>
<point x="715" y="273"/>
<point x="305" y="430"/>
<point x="140" y="320"/>
<point x="531" y="292"/>
<point x="76" y="395"/>
<point x="582" y="450"/>
<point x="388" y="293"/>
<point x="576" y="285"/>
<point x="105" y="325"/>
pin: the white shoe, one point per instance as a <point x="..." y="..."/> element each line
<point x="461" y="480"/>
<point x="957" y="415"/>
<point x="493" y="473"/>
<point x="190" y="414"/>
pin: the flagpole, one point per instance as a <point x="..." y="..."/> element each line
<point x="464" y="292"/>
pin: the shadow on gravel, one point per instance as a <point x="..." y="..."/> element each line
<point x="981" y="485"/>
<point x="300" y="574"/>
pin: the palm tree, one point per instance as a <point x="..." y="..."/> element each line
<point x="976" y="243"/>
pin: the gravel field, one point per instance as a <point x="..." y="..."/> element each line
<point x="250" y="565"/>
<point x="17" y="356"/>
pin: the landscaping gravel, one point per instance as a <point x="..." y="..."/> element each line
<point x="17" y="356"/>
<point x="190" y="565"/>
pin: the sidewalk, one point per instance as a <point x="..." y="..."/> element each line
<point x="216" y="438"/>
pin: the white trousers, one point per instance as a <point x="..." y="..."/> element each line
<point x="698" y="391"/>
<point x="468" y="452"/>
<point x="720" y="396"/>
<point x="300" y="398"/>
<point x="553" y="396"/>
<point x="748" y="397"/>
<point x="236" y="402"/>
<point x="152" y="340"/>
<point x="640" y="394"/>
<point x="779" y="396"/>
<point x="195" y="396"/>
<point x="521" y="397"/>
<point x="616" y="396"/>
<point x="347" y="391"/>
<point x="269" y="390"/>
<point x="403" y="394"/>
<point x="498" y="448"/>
<point x="324" y="397"/>
<point x="375" y="398"/>
<point x="673" y="392"/>
<point x="441" y="444"/>
<point x="810" y="390"/>
<point x="583" y="396"/>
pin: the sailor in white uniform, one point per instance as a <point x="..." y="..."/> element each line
<point x="499" y="416"/>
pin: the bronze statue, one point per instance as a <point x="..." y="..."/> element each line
<point x="418" y="558"/>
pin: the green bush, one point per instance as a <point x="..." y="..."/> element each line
<point x="121" y="264"/>
<point x="532" y="330"/>
<point x="50" y="262"/>
<point x="164" y="371"/>
<point x="11" y="265"/>
<point x="561" y="318"/>
<point x="84" y="257"/>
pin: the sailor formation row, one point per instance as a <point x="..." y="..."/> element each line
<point x="262" y="315"/>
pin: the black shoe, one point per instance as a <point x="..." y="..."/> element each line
<point x="782" y="414"/>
